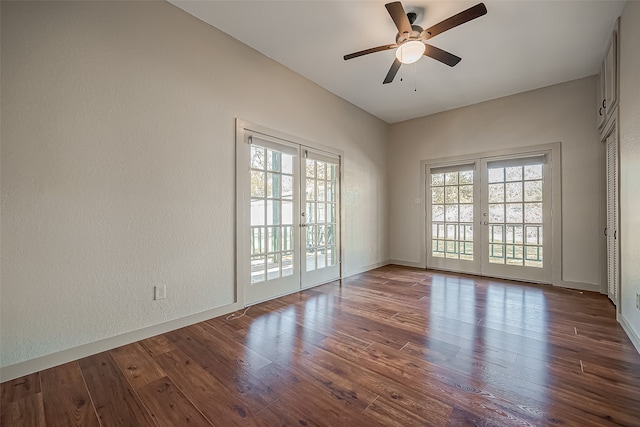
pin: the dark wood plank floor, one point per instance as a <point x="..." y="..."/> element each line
<point x="393" y="347"/>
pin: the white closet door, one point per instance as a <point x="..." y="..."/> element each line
<point x="613" y="279"/>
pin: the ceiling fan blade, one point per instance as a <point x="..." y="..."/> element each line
<point x="399" y="17"/>
<point x="368" y="51"/>
<point x="392" y="71"/>
<point x="441" y="55"/>
<point x="449" y="23"/>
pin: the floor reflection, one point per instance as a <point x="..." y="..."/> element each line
<point x="282" y="333"/>
<point x="500" y="331"/>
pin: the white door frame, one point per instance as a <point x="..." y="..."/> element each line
<point x="612" y="131"/>
<point x="244" y="129"/>
<point x="555" y="160"/>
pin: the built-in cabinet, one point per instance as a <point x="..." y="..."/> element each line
<point x="607" y="113"/>
<point x="607" y="98"/>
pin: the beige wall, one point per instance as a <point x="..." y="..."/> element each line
<point x="561" y="113"/>
<point x="630" y="167"/>
<point x="118" y="172"/>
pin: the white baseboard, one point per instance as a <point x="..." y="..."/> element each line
<point x="631" y="333"/>
<point x="406" y="263"/>
<point x="579" y="286"/>
<point x="54" y="359"/>
<point x="365" y="269"/>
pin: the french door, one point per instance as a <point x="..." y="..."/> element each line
<point x="288" y="202"/>
<point x="516" y="219"/>
<point x="319" y="218"/>
<point x="491" y="217"/>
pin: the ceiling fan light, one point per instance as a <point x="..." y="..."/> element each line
<point x="409" y="52"/>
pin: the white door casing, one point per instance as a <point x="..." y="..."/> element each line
<point x="288" y="215"/>
<point x="491" y="215"/>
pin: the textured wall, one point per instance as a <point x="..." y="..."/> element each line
<point x="630" y="163"/>
<point x="560" y="113"/>
<point x="118" y="174"/>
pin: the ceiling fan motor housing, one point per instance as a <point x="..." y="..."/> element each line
<point x="416" y="34"/>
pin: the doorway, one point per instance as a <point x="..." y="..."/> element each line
<point x="491" y="216"/>
<point x="288" y="231"/>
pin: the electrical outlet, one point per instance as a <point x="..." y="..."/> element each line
<point x="160" y="292"/>
<point x="638" y="300"/>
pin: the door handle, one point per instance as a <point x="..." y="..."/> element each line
<point x="605" y="231"/>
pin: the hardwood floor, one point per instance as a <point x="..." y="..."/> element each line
<point x="394" y="347"/>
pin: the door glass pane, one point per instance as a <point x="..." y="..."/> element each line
<point x="496" y="193"/>
<point x="311" y="168"/>
<point x="437" y="213"/>
<point x="331" y="195"/>
<point x="466" y="177"/>
<point x="287" y="264"/>
<point x="258" y="212"/>
<point x="258" y="264"/>
<point x="287" y="238"/>
<point x="515" y="215"/>
<point x="287" y="187"/>
<point x="287" y="212"/>
<point x="466" y="194"/>
<point x="533" y="191"/>
<point x="321" y="256"/>
<point x="273" y="239"/>
<point x="274" y="160"/>
<point x="257" y="157"/>
<point x="321" y="188"/>
<point x="466" y="213"/>
<point x="321" y="213"/>
<point x="533" y="172"/>
<point x="513" y="191"/>
<point x="311" y="189"/>
<point x="452" y="215"/>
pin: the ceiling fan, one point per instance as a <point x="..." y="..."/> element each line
<point x="411" y="39"/>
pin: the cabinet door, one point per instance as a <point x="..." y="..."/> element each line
<point x="611" y="75"/>
<point x="601" y="112"/>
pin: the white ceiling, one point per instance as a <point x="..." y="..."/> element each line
<point x="517" y="46"/>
